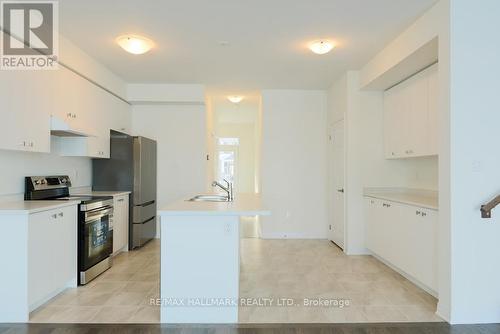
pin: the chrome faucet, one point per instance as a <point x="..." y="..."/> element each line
<point x="228" y="188"/>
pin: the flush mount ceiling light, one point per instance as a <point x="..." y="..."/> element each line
<point x="135" y="44"/>
<point x="321" y="47"/>
<point x="235" y="98"/>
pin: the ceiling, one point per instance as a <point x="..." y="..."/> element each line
<point x="267" y="38"/>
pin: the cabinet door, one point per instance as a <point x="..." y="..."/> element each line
<point x="65" y="95"/>
<point x="52" y="253"/>
<point x="372" y="229"/>
<point x="65" y="246"/>
<point x="121" y="116"/>
<point x="378" y="238"/>
<point x="40" y="261"/>
<point x="395" y="122"/>
<point x="433" y="80"/>
<point x="120" y="222"/>
<point x="418" y="116"/>
<point x="421" y="243"/>
<point x="24" y="111"/>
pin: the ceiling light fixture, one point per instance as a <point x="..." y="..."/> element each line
<point x="135" y="44"/>
<point x="321" y="47"/>
<point x="235" y="98"/>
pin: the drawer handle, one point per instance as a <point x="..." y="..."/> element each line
<point x="54" y="216"/>
<point x="121" y="200"/>
<point x="61" y="214"/>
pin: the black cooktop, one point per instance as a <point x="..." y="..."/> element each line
<point x="85" y="199"/>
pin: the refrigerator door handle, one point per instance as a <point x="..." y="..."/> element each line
<point x="146" y="204"/>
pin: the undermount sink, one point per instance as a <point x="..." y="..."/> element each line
<point x="208" y="198"/>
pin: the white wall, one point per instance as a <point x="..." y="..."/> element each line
<point x="181" y="143"/>
<point x="294" y="163"/>
<point x="474" y="160"/>
<point x="14" y="166"/>
<point x="74" y="57"/>
<point x="166" y="93"/>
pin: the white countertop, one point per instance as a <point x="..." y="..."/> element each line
<point x="417" y="197"/>
<point x="28" y="207"/>
<point x="103" y="193"/>
<point x="243" y="205"/>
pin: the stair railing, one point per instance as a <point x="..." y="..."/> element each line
<point x="486" y="208"/>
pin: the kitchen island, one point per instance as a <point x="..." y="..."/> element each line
<point x="200" y="259"/>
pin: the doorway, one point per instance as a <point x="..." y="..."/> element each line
<point x="336" y="228"/>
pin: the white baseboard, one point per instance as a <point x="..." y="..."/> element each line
<point x="407" y="276"/>
<point x="284" y="235"/>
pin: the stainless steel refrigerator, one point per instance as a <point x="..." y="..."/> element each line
<point x="131" y="167"/>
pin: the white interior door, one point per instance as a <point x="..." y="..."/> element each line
<point x="336" y="226"/>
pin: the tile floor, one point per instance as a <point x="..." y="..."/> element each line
<point x="294" y="269"/>
<point x="120" y="295"/>
<point x="314" y="269"/>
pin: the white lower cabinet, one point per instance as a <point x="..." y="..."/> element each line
<point x="120" y="223"/>
<point x="52" y="253"/>
<point x="405" y="237"/>
<point x="38" y="255"/>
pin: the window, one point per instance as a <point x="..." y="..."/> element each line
<point x="229" y="141"/>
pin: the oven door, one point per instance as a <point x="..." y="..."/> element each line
<point x="97" y="241"/>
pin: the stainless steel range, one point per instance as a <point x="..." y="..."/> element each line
<point x="95" y="222"/>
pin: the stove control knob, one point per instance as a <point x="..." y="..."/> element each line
<point x="42" y="181"/>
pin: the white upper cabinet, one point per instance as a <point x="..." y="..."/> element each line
<point x="410" y="116"/>
<point x="97" y="112"/>
<point x="433" y="110"/>
<point x="28" y="99"/>
<point x="24" y="106"/>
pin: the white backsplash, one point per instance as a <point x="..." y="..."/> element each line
<point x="15" y="166"/>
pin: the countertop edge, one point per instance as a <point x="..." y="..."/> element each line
<point x="395" y="199"/>
<point x="103" y="193"/>
<point x="54" y="205"/>
<point x="185" y="213"/>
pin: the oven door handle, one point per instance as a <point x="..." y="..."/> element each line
<point x="92" y="216"/>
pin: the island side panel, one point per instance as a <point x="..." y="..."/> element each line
<point x="14" y="264"/>
<point x="199" y="263"/>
